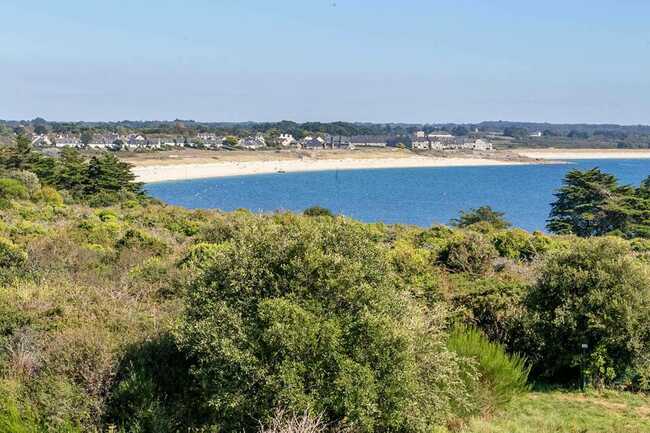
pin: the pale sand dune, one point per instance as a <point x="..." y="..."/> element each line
<point x="163" y="172"/>
<point x="584" y="153"/>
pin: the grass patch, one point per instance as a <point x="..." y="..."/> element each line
<point x="569" y="412"/>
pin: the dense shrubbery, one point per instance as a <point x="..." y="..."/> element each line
<point x="309" y="317"/>
<point x="146" y="318"/>
<point x="597" y="293"/>
<point x="469" y="252"/>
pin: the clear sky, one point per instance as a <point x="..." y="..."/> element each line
<point x="354" y="60"/>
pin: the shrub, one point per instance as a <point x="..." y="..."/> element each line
<point x="28" y="179"/>
<point x="11" y="255"/>
<point x="137" y="239"/>
<point x="518" y="244"/>
<point x="13" y="189"/>
<point x="597" y="293"/>
<point x="413" y="266"/>
<point x="317" y="211"/>
<point x="502" y="376"/>
<point x="435" y="238"/>
<point x="482" y="215"/>
<point x="51" y="196"/>
<point x="15" y="419"/>
<point x="495" y="307"/>
<point x="154" y="391"/>
<point x="468" y="252"/>
<point x="26" y="229"/>
<point x="307" y="316"/>
<point x="201" y="256"/>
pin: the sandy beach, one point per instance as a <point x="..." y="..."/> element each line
<point x="200" y="164"/>
<point x="158" y="173"/>
<point x="552" y="153"/>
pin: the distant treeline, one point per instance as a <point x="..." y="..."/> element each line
<point x="513" y="129"/>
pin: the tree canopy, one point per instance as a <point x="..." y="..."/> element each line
<point x="592" y="203"/>
<point x="104" y="175"/>
<point x="482" y="214"/>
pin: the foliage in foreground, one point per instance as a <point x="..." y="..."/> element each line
<point x="502" y="376"/>
<point x="309" y="316"/>
<point x="596" y="293"/>
<point x="148" y="318"/>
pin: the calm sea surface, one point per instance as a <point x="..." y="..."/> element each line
<point x="418" y="196"/>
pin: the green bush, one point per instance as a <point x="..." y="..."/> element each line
<point x="51" y="196"/>
<point x="14" y="419"/>
<point x="201" y="256"/>
<point x="11" y="255"/>
<point x="28" y="179"/>
<point x="484" y="215"/>
<point x="495" y="307"/>
<point x="434" y="239"/>
<point x="468" y="252"/>
<point x="518" y="244"/>
<point x="597" y="293"/>
<point x="502" y="376"/>
<point x="317" y="211"/>
<point x="154" y="391"/>
<point x="13" y="189"/>
<point x="307" y="315"/>
<point x="138" y="239"/>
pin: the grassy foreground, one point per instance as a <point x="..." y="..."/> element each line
<point x="568" y="412"/>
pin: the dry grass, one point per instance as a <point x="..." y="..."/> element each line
<point x="284" y="422"/>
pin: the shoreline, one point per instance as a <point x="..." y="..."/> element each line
<point x="187" y="165"/>
<point x="186" y="171"/>
<point x="556" y="153"/>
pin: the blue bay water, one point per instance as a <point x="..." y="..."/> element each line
<point x="420" y="196"/>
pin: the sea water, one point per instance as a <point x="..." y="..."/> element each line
<point x="420" y="196"/>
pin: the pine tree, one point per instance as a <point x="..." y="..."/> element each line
<point x="592" y="203"/>
<point x="108" y="174"/>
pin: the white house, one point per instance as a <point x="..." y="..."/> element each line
<point x="41" y="140"/>
<point x="482" y="145"/>
<point x="420" y="143"/>
<point x="63" y="140"/>
<point x="286" y="140"/>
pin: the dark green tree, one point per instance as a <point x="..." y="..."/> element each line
<point x="482" y="214"/>
<point x="71" y="171"/>
<point x="86" y="137"/>
<point x="40" y="129"/>
<point x="20" y="156"/>
<point x="591" y="203"/>
<point x="515" y="132"/>
<point x="460" y="131"/>
<point x="318" y="211"/>
<point x="107" y="173"/>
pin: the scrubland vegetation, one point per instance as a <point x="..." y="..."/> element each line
<point x="118" y="313"/>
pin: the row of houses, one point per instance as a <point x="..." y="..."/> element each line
<point x="113" y="141"/>
<point x="444" y="141"/>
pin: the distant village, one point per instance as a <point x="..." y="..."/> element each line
<point x="420" y="140"/>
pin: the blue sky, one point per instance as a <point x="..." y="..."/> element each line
<point x="370" y="60"/>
